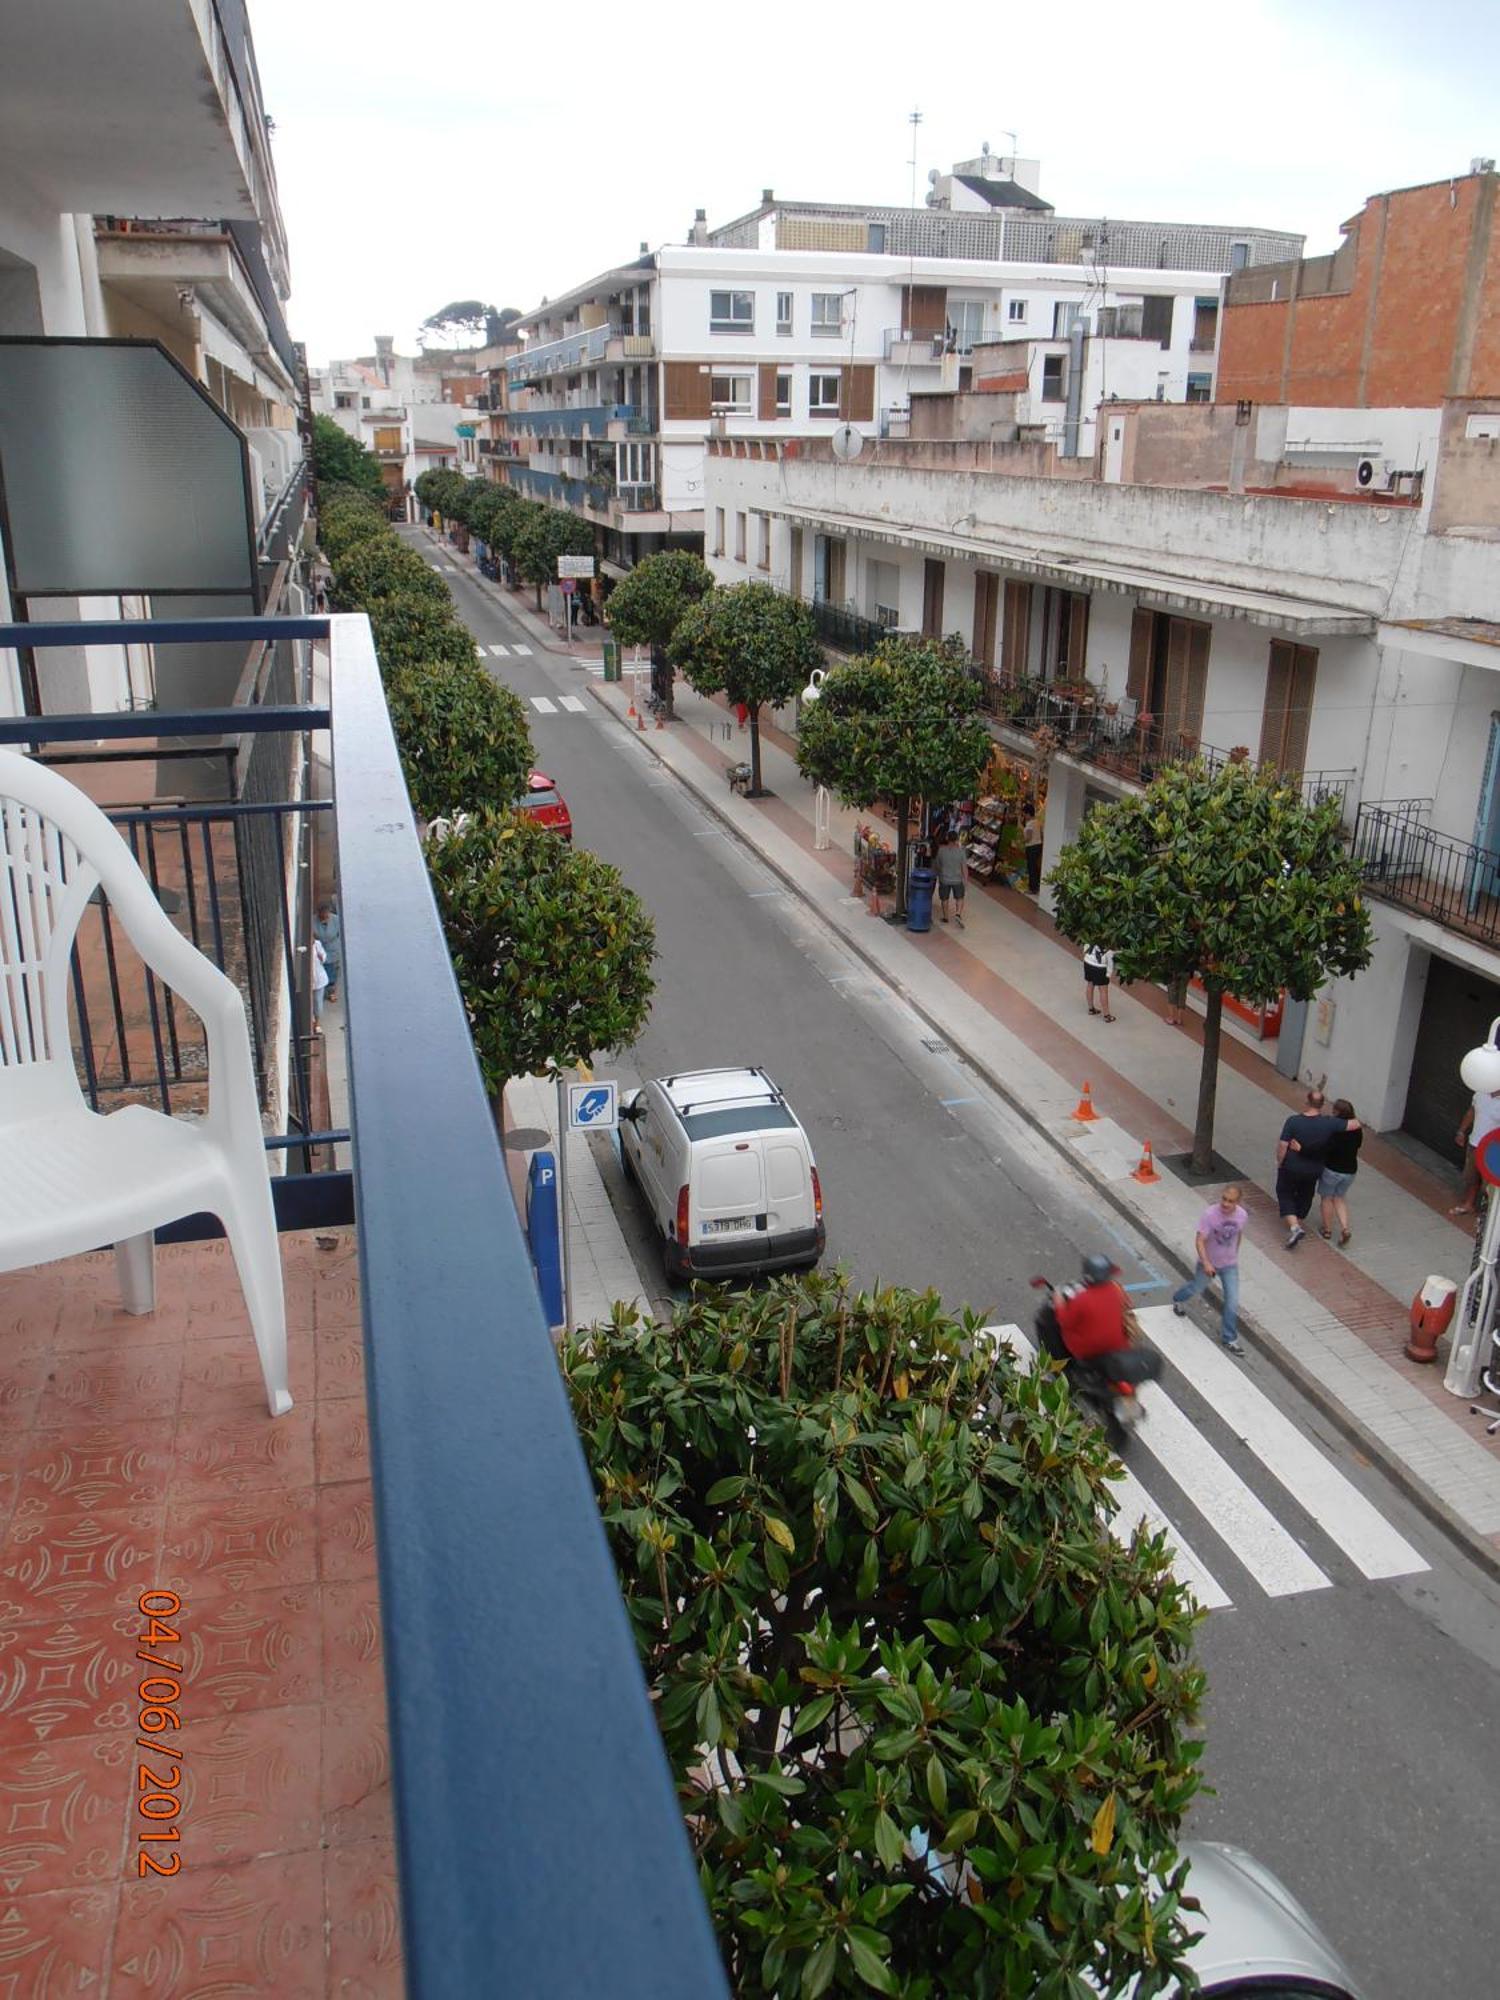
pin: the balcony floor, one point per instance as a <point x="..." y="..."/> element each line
<point x="135" y="1455"/>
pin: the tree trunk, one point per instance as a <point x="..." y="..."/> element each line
<point x="538" y="589"/>
<point x="661" y="680"/>
<point x="1208" y="1083"/>
<point x="903" y="808"/>
<point x="755" y="791"/>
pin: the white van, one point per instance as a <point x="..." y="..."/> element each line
<point x="727" y="1173"/>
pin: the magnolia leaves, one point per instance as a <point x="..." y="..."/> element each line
<point x="904" y="723"/>
<point x="751" y="642"/>
<point x="463" y="739"/>
<point x="646" y="606"/>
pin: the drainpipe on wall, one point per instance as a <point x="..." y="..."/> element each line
<point x="1075" y="390"/>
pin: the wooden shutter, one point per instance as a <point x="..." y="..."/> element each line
<point x="1142" y="638"/>
<point x="926" y="308"/>
<point x="1200" y="637"/>
<point x="1078" y="633"/>
<point x="794" y="562"/>
<point x="933" y="573"/>
<point x="1017" y="631"/>
<point x="986" y="604"/>
<point x="1290" y="676"/>
<point x="766" y="407"/>
<point x="686" y="390"/>
<point x="857" y="394"/>
<point x="1187" y="677"/>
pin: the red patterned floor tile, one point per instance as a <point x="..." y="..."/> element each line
<point x="364" y="1925"/>
<point x="343" y="1439"/>
<point x="231" y="1455"/>
<point x="250" y="1785"/>
<point x="62" y="1814"/>
<point x="353" y="1662"/>
<point x="74" y="1678"/>
<point x="223" y="1375"/>
<point x="58" y="1945"/>
<point x="93" y="1467"/>
<point x="212" y="1933"/>
<point x="341" y="1363"/>
<point x="260" y="1650"/>
<point x="346" y="1531"/>
<point x="20" y="1392"/>
<point x="137" y="1385"/>
<point x="71" y="1566"/>
<point x="255" y="1543"/>
<point x="356" y="1791"/>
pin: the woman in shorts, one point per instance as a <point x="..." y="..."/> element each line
<point x="1341" y="1164"/>
<point x="1098" y="964"/>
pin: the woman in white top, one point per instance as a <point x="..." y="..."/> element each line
<point x="1098" y="967"/>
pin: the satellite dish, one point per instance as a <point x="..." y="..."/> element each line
<point x="848" y="443"/>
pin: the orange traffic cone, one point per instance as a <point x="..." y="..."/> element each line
<point x="1085" y="1114"/>
<point x="1146" y="1171"/>
<point x="630" y="712"/>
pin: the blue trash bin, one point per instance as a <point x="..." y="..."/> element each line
<point x="920" y="883"/>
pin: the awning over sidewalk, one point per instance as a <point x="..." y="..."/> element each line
<point x="1280" y="611"/>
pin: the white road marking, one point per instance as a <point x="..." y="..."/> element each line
<point x="500" y="652"/>
<point x="1338" y="1506"/>
<point x="1279" y="1564"/>
<point x="542" y="705"/>
<point x="521" y="649"/>
<point x="571" y="703"/>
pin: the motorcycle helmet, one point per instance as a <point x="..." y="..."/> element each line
<point x="1099" y="1269"/>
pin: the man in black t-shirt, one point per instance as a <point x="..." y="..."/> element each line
<point x="1300" y="1159"/>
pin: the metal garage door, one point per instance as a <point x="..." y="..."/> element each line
<point x="1456" y="1014"/>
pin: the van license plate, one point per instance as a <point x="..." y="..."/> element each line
<point x="728" y="1225"/>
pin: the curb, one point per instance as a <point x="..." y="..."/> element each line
<point x="1476" y="1546"/>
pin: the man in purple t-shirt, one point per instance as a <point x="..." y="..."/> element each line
<point x="1220" y="1227"/>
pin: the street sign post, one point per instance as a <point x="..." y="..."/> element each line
<point x="575" y="566"/>
<point x="593" y="1107"/>
<point x="1474" y="1319"/>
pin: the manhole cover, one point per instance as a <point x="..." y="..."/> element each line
<point x="933" y="1046"/>
<point x="527" y="1138"/>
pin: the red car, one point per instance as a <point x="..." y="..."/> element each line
<point x="545" y="803"/>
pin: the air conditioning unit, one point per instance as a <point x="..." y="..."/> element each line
<point x="1370" y="472"/>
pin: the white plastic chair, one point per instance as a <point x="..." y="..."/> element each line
<point x="73" y="1179"/>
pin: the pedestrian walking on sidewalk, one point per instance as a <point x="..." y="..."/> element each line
<point x="1220" y="1227"/>
<point x="1481" y="1118"/>
<point x="1342" y="1164"/>
<point x="1301" y="1155"/>
<point x="1031" y="840"/>
<point x="950" y="876"/>
<point x="1098" y="965"/>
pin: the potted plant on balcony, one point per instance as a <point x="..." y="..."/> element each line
<point x="929" y="1723"/>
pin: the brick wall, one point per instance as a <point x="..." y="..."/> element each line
<point x="1415" y="320"/>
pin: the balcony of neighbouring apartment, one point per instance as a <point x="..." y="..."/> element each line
<point x="165" y="274"/>
<point x="1406" y="862"/>
<point x="905" y="349"/>
<point x="181" y="82"/>
<point x="427" y="1480"/>
<point x="589" y="420"/>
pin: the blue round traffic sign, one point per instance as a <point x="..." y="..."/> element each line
<point x="1487" y="1157"/>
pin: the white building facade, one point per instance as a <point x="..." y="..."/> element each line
<point x="1350" y="636"/>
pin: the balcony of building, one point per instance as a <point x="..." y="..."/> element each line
<point x="163" y="269"/>
<point x="390" y="1639"/>
<point x="181" y="81"/>
<point x="1451" y="882"/>
<point x="596" y="421"/>
<point x="904" y="349"/>
<point x="847" y="630"/>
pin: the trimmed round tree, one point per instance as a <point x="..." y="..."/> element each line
<point x="463" y="739"/>
<point x="646" y="607"/>
<point x="543" y="535"/>
<point x="418" y="631"/>
<point x="754" y="644"/>
<point x="1228" y="875"/>
<point x="903" y="724"/>
<point x="339" y="459"/>
<point x="553" y="952"/>
<point x="929" y="1722"/>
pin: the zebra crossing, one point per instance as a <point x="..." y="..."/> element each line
<point x="570" y="704"/>
<point x="1187" y="1467"/>
<point x="504" y="652"/>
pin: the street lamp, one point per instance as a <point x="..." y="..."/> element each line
<point x="1474" y="1319"/>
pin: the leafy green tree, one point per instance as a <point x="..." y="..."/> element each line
<point x="543" y="536"/>
<point x="342" y="460"/>
<point x="927" y="1718"/>
<point x="463" y="738"/>
<point x="467" y="323"/>
<point x="442" y="491"/>
<point x="753" y="643"/>
<point x="347" y="516"/>
<point x="553" y="953"/>
<point x="902" y="724"/>
<point x="414" y="631"/>
<point x="646" y="607"/>
<point x="385" y="567"/>
<point x="1229" y="875"/>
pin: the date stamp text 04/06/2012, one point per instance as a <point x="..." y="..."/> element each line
<point x="159" y="1780"/>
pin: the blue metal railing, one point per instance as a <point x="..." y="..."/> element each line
<point x="540" y="1843"/>
<point x="582" y="420"/>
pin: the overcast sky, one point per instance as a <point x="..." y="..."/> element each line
<point x="504" y="154"/>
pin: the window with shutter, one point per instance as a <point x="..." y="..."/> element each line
<point x="1142" y="641"/>
<point x="933" y="574"/>
<point x="1017" y="635"/>
<point x="1291" y="673"/>
<point x="986" y="606"/>
<point x="766" y="400"/>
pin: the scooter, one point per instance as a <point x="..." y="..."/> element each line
<point x="1109" y="1386"/>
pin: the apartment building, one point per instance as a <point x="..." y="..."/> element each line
<point x="414" y="412"/>
<point x="1314" y="588"/>
<point x="798" y="319"/>
<point x="151" y="392"/>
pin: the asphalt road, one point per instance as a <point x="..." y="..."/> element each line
<point x="1353" y="1729"/>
